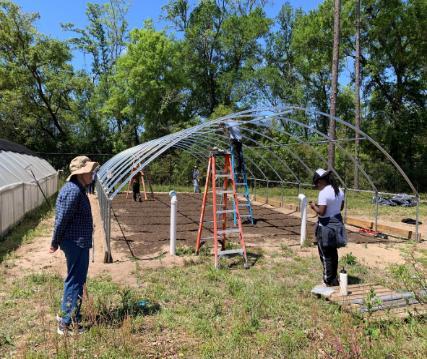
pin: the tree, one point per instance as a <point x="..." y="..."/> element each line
<point x="221" y="49"/>
<point x="357" y="94"/>
<point x="148" y="87"/>
<point x="104" y="39"/>
<point x="334" y="84"/>
<point x="37" y="83"/>
<point x="396" y="81"/>
<point x="312" y="50"/>
<point x="105" y="36"/>
<point x="279" y="80"/>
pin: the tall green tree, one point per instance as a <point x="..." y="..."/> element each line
<point x="334" y="82"/>
<point x="280" y="81"/>
<point x="148" y="92"/>
<point x="105" y="36"/>
<point x="394" y="61"/>
<point x="312" y="46"/>
<point x="357" y="81"/>
<point x="37" y="83"/>
<point x="222" y="49"/>
<point x="103" y="40"/>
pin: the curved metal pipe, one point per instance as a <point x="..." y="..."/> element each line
<point x="225" y="144"/>
<point x="139" y="156"/>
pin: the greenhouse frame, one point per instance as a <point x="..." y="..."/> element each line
<point x="288" y="161"/>
<point x="26" y="180"/>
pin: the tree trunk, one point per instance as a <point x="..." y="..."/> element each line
<point x="357" y="94"/>
<point x="334" y="85"/>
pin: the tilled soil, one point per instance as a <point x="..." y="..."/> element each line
<point x="143" y="227"/>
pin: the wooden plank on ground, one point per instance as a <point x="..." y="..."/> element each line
<point x="398" y="232"/>
<point x="274" y="202"/>
<point x="401" y="313"/>
<point x="387" y="229"/>
<point x="352" y="221"/>
<point x="355" y="302"/>
<point x="361" y="223"/>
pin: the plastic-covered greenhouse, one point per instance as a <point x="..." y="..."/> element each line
<point x="23" y="176"/>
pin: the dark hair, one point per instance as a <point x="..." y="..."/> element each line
<point x="331" y="181"/>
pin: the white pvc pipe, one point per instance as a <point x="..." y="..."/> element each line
<point x="174" y="203"/>
<point x="303" y="208"/>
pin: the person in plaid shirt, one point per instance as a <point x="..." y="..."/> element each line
<point x="73" y="234"/>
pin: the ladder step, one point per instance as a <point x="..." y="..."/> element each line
<point x="219" y="220"/>
<point x="219" y="192"/>
<point x="222" y="211"/>
<point x="240" y="184"/>
<point x="230" y="252"/>
<point x="228" y="231"/>
<point x="223" y="176"/>
<point x="204" y="239"/>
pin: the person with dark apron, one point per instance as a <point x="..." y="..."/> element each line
<point x="330" y="229"/>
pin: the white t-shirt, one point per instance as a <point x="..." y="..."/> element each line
<point x="333" y="203"/>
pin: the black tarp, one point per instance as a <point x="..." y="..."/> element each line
<point x="400" y="199"/>
<point x="6" y="145"/>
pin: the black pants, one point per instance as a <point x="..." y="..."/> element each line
<point x="135" y="190"/>
<point x="329" y="259"/>
<point x="237" y="146"/>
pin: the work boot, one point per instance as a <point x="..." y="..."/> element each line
<point x="70" y="329"/>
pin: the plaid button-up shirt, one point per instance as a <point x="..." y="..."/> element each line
<point x="73" y="219"/>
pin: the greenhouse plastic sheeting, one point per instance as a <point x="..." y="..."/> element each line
<point x="19" y="192"/>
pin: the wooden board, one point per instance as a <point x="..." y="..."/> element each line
<point x="355" y="222"/>
<point x="361" y="223"/>
<point x="398" y="232"/>
<point x="357" y="294"/>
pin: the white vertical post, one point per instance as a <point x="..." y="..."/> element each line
<point x="174" y="202"/>
<point x="303" y="208"/>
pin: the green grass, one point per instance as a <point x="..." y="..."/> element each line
<point x="358" y="204"/>
<point x="198" y="311"/>
<point x="27" y="229"/>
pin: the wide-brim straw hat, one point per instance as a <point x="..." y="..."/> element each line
<point x="319" y="174"/>
<point x="81" y="165"/>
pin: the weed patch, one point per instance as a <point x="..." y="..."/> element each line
<point x="31" y="226"/>
<point x="198" y="311"/>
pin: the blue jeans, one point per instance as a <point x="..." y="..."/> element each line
<point x="77" y="267"/>
<point x="196" y="186"/>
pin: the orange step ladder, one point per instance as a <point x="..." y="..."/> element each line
<point x="227" y="188"/>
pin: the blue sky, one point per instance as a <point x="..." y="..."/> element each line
<point x="54" y="12"/>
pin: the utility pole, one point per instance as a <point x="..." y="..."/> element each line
<point x="334" y="85"/>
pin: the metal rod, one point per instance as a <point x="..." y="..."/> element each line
<point x="345" y="205"/>
<point x="266" y="199"/>
<point x="282" y="196"/>
<point x="310" y="142"/>
<point x="255" y="189"/>
<point x="417" y="217"/>
<point x="376" y="211"/>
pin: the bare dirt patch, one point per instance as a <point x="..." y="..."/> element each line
<point x="140" y="239"/>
